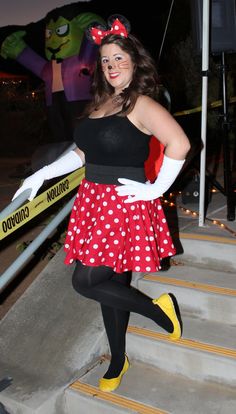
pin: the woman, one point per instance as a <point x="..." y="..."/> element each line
<point x="117" y="224"/>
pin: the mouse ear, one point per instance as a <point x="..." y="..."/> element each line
<point x="93" y="31"/>
<point x="121" y="19"/>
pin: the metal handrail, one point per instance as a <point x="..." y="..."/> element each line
<point x="15" y="204"/>
<point x="17" y="265"/>
<point x="24" y="196"/>
<point x="21" y="260"/>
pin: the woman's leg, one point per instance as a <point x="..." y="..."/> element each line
<point x="97" y="283"/>
<point x="116" y="322"/>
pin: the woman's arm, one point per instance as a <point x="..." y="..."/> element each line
<point x="154" y="119"/>
<point x="80" y="154"/>
<point x="64" y="165"/>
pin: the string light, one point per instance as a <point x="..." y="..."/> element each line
<point x="196" y="214"/>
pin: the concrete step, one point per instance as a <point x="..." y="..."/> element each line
<point x="207" y="350"/>
<point x="214" y="252"/>
<point x="46" y="339"/>
<point x="146" y="389"/>
<point x="207" y="293"/>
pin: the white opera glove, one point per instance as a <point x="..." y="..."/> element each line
<point x="66" y="164"/>
<point x="138" y="191"/>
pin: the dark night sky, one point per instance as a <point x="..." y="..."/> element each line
<point x="15" y="12"/>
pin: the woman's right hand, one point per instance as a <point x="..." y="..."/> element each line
<point x="34" y="181"/>
<point x="67" y="163"/>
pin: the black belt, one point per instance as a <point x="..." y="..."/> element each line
<point x="108" y="174"/>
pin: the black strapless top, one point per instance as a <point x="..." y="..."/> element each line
<point x="112" y="140"/>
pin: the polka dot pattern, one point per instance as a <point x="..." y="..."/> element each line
<point x="103" y="230"/>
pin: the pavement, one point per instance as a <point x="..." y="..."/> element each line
<point x="215" y="223"/>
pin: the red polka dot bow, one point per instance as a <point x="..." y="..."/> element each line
<point x="117" y="28"/>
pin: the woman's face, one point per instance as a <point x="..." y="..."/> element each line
<point x="117" y="66"/>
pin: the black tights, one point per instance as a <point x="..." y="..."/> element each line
<point x="117" y="300"/>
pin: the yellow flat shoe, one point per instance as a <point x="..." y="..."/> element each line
<point x="166" y="303"/>
<point x="110" y="384"/>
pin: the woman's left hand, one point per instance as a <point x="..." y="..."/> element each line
<point x="137" y="191"/>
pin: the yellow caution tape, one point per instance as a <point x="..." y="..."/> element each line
<point x="30" y="210"/>
<point x="214" y="104"/>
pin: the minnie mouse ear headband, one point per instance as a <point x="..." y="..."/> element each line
<point x="116" y="24"/>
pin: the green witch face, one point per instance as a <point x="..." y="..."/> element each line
<point x="63" y="38"/>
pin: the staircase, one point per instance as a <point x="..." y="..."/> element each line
<point x="195" y="375"/>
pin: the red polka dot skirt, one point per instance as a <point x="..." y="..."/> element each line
<point x="103" y="230"/>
